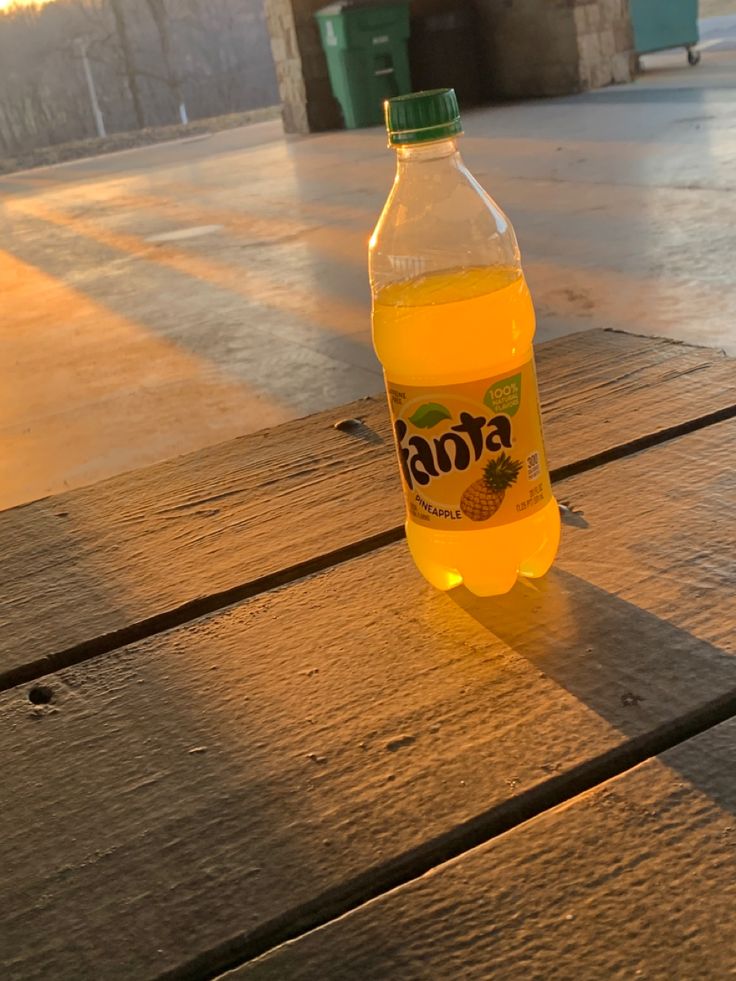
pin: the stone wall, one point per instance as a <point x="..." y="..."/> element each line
<point x="307" y="101"/>
<point x="554" y="47"/>
<point x="528" y="48"/>
<point x="605" y="42"/>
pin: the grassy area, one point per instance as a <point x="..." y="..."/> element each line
<point x="716" y="8"/>
<point x="125" y="141"/>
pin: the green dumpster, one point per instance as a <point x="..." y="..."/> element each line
<point x="366" y="48"/>
<point x="662" y="24"/>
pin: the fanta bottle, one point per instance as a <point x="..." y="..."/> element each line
<point x="453" y="325"/>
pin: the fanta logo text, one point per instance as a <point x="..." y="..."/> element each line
<point x="423" y="459"/>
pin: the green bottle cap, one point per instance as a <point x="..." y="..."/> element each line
<point x="422" y="117"/>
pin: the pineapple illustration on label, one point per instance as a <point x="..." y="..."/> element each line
<point x="484" y="497"/>
<point x="471" y="455"/>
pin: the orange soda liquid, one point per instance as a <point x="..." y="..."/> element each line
<point x="446" y="329"/>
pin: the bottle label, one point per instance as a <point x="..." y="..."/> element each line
<point x="471" y="456"/>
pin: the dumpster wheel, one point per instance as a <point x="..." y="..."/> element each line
<point x="693" y="56"/>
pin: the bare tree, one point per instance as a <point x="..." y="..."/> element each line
<point x="131" y="74"/>
<point x="161" y="20"/>
<point x="142" y="55"/>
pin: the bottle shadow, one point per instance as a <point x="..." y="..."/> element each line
<point x="654" y="681"/>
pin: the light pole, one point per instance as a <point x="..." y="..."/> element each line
<point x="99" y="121"/>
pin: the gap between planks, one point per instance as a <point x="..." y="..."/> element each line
<point x="481" y="829"/>
<point x="203" y="606"/>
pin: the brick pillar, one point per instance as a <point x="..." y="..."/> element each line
<point x="301" y="69"/>
<point x="605" y="42"/>
<point x="554" y="47"/>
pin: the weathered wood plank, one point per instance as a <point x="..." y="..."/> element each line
<point x="636" y="879"/>
<point x="95" y="561"/>
<point x="216" y="787"/>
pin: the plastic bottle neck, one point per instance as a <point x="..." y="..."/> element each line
<point x="434" y="152"/>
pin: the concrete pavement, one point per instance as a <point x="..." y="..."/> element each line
<point x="159" y="300"/>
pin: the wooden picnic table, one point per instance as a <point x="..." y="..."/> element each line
<point x="238" y="731"/>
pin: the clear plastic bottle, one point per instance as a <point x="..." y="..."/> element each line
<point x="453" y="325"/>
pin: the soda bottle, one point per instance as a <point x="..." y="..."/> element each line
<point x="453" y="325"/>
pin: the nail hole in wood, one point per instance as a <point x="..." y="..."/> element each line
<point x="347" y="425"/>
<point x="356" y="427"/>
<point x="40" y="695"/>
